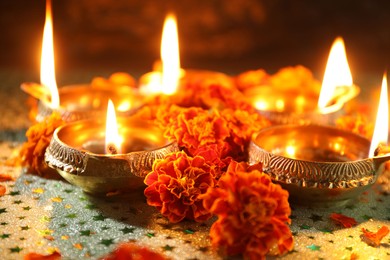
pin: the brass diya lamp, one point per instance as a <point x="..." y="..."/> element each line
<point x="320" y="166"/>
<point x="302" y="102"/>
<point x="82" y="154"/>
<point x="289" y="107"/>
<point x="78" y="102"/>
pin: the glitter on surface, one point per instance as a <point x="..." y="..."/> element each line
<point x="41" y="215"/>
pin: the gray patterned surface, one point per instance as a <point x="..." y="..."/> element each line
<point x="41" y="215"/>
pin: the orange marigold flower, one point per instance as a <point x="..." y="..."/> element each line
<point x="374" y="238"/>
<point x="193" y="127"/>
<point x="197" y="130"/>
<point x="242" y="124"/>
<point x="252" y="213"/>
<point x="220" y="97"/>
<point x="2" y="190"/>
<point x="116" y="79"/>
<point x="215" y="154"/>
<point x="213" y="95"/>
<point x="38" y="139"/>
<point x="6" y="177"/>
<point x="251" y="79"/>
<point x="296" y="77"/>
<point x="131" y="251"/>
<point x="35" y="256"/>
<point x="175" y="183"/>
<point x="356" y="123"/>
<point x="343" y="220"/>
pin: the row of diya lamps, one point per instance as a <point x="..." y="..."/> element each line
<point x="317" y="163"/>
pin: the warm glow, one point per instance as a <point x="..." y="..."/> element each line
<point x="290" y="151"/>
<point x="48" y="78"/>
<point x="382" y="120"/>
<point x="279" y="105"/>
<point x="337" y="73"/>
<point x="170" y="56"/>
<point x="113" y="139"/>
<point x="261" y="105"/>
<point x="124" y="106"/>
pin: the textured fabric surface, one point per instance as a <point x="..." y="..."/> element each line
<point x="41" y="215"/>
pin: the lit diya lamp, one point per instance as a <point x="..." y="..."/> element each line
<point x="167" y="75"/>
<point x="107" y="157"/>
<point x="320" y="165"/>
<point x="301" y="104"/>
<point x="77" y="101"/>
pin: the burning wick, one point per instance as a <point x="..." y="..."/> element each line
<point x="111" y="149"/>
<point x="113" y="139"/>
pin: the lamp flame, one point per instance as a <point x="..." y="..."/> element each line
<point x="47" y="59"/>
<point x="337" y="73"/>
<point x="170" y="56"/>
<point x="113" y="139"/>
<point x="382" y="120"/>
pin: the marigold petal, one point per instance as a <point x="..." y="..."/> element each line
<point x="36" y="256"/>
<point x="374" y="238"/>
<point x="343" y="220"/>
<point x="3" y="190"/>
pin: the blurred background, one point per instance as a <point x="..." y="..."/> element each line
<point x="98" y="37"/>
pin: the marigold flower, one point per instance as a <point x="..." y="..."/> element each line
<point x="6" y="177"/>
<point x="197" y="130"/>
<point x="36" y="256"/>
<point x="252" y="78"/>
<point x="297" y="78"/>
<point x="207" y="96"/>
<point x="3" y="190"/>
<point x="343" y="220"/>
<point x="356" y="123"/>
<point x="175" y="183"/>
<point x="38" y="139"/>
<point x="252" y="213"/>
<point x="374" y="238"/>
<point x="193" y="127"/>
<point x="242" y="124"/>
<point x="215" y="154"/>
<point x="131" y="251"/>
<point x="115" y="79"/>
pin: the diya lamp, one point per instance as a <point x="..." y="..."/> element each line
<point x="322" y="166"/>
<point x="75" y="102"/>
<point x="167" y="75"/>
<point x="102" y="159"/>
<point x="285" y="105"/>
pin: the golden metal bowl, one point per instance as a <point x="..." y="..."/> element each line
<point x="320" y="166"/>
<point x="76" y="151"/>
<point x="78" y="102"/>
<point x="290" y="107"/>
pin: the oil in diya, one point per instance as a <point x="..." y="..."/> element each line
<point x="322" y="166"/>
<point x="302" y="104"/>
<point x="101" y="161"/>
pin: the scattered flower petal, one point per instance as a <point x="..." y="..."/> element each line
<point x="3" y="190"/>
<point x="374" y="238"/>
<point x="131" y="251"/>
<point x="343" y="220"/>
<point x="35" y="256"/>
